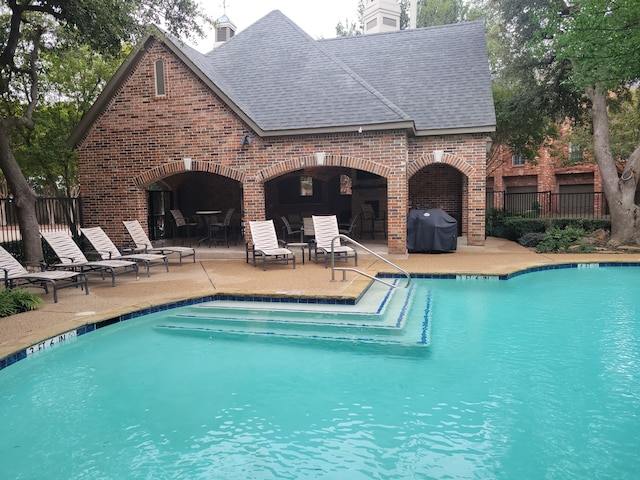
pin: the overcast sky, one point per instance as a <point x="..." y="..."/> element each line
<point x="316" y="17"/>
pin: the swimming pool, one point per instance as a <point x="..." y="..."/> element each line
<point x="534" y="377"/>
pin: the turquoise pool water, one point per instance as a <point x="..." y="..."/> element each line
<point x="535" y="377"/>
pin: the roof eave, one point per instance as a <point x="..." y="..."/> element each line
<point x="360" y="128"/>
<point x="456" y="131"/>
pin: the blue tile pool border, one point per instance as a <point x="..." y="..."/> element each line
<point x="90" y="327"/>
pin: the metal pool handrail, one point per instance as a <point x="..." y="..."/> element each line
<point x="351" y="269"/>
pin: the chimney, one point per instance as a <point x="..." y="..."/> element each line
<point x="381" y="16"/>
<point x="413" y="14"/>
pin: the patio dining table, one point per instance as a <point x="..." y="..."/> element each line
<point x="208" y="216"/>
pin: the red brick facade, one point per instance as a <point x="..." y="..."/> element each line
<point x="140" y="139"/>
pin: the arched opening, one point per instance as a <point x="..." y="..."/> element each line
<point x="191" y="192"/>
<point x="333" y="190"/>
<point x="439" y="185"/>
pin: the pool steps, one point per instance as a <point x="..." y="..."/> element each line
<point x="383" y="316"/>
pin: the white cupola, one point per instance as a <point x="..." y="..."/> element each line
<point x="381" y="16"/>
<point x="225" y="29"/>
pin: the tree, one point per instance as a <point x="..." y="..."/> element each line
<point x="29" y="29"/>
<point x="583" y="56"/>
<point x="600" y="38"/>
<point x="350" y="28"/>
<point x="441" y="12"/>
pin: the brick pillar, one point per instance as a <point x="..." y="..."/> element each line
<point x="477" y="207"/>
<point x="397" y="186"/>
<point x="253" y="203"/>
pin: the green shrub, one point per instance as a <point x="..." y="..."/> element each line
<point x="14" y="301"/>
<point x="531" y="239"/>
<point x="516" y="227"/>
<point x="589" y="225"/>
<point x="560" y="240"/>
<point x="494" y="222"/>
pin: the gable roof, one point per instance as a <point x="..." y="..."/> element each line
<point x="283" y="82"/>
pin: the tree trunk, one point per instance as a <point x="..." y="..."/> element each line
<point x="24" y="198"/>
<point x="619" y="189"/>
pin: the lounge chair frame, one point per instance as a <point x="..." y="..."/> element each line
<point x="15" y="274"/>
<point x="325" y="229"/>
<point x="143" y="243"/>
<point x="265" y="244"/>
<point x="72" y="258"/>
<point x="104" y="247"/>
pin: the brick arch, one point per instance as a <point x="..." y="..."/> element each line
<point x="447" y="158"/>
<point x="299" y="163"/>
<point x="172" y="168"/>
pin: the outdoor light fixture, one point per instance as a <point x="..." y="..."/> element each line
<point x="489" y="145"/>
<point x="246" y="140"/>
<point x="437" y="156"/>
<point x="187" y="163"/>
<point x="320" y="156"/>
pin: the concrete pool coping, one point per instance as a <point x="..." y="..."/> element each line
<point x="223" y="271"/>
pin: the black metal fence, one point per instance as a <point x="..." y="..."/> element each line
<point x="550" y="205"/>
<point x="53" y="214"/>
<point x="66" y="213"/>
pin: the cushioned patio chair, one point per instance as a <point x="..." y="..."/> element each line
<point x="104" y="247"/>
<point x="15" y="274"/>
<point x="325" y="228"/>
<point x="143" y="244"/>
<point x="72" y="258"/>
<point x="266" y="244"/>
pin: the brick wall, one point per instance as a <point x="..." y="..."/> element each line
<point x="140" y="139"/>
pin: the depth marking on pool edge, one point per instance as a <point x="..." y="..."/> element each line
<point x="21" y="354"/>
<point x="50" y="342"/>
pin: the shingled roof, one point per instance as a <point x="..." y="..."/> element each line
<point x="283" y="82"/>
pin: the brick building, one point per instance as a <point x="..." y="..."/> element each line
<point x="273" y="122"/>
<point x="561" y="181"/>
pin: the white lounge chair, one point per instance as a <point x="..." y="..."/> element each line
<point x="103" y="245"/>
<point x="266" y="244"/>
<point x="15" y="274"/>
<point x="143" y="244"/>
<point x="72" y="258"/>
<point x="326" y="229"/>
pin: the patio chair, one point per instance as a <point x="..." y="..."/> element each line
<point x="370" y="223"/>
<point x="266" y="244"/>
<point x="15" y="274"/>
<point x="143" y="244"/>
<point x="103" y="245"/>
<point x="288" y="231"/>
<point x="349" y="229"/>
<point x="180" y="222"/>
<point x="72" y="258"/>
<point x="326" y="229"/>
<point x="219" y="231"/>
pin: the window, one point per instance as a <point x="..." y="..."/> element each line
<point x="575" y="153"/>
<point x="159" y="72"/>
<point x="518" y="160"/>
<point x="345" y="185"/>
<point x="306" y="186"/>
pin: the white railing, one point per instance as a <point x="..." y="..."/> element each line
<point x="352" y="269"/>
